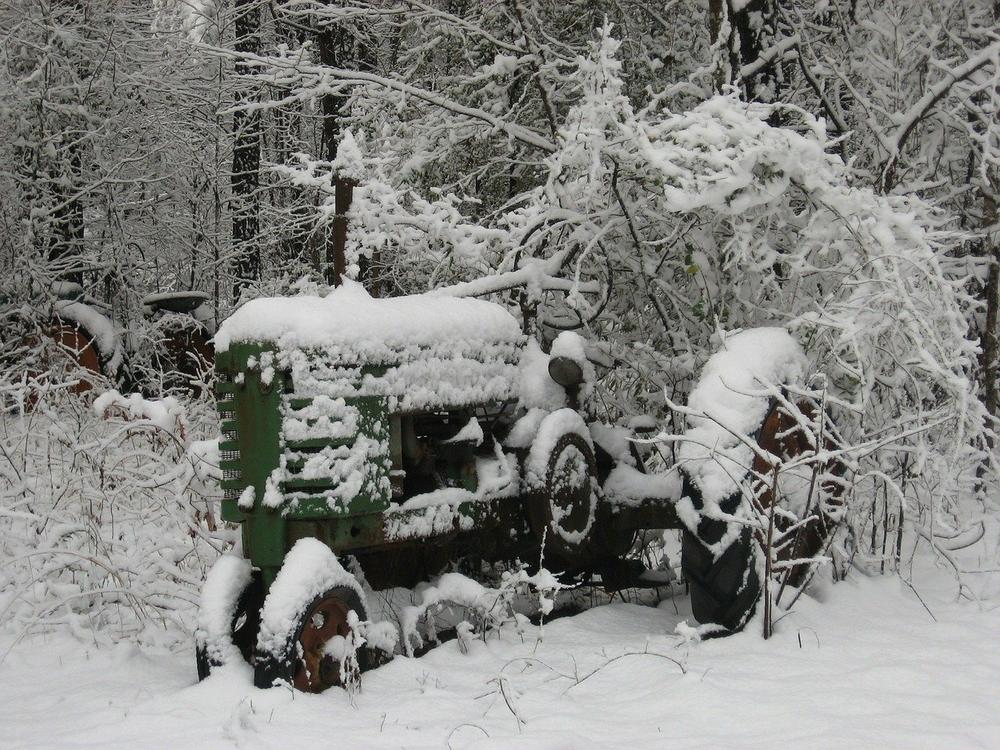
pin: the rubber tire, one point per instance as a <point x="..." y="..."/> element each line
<point x="539" y="508"/>
<point x="282" y="666"/>
<point x="245" y="639"/>
<point x="724" y="591"/>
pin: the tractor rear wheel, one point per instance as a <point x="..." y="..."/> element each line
<point x="725" y="590"/>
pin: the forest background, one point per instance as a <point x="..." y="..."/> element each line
<point x="652" y="175"/>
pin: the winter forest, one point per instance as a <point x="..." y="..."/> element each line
<point x="499" y="373"/>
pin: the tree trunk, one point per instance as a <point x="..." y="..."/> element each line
<point x="330" y="42"/>
<point x="66" y="240"/>
<point x="296" y="240"/>
<point x="990" y="248"/>
<point x="740" y="37"/>
<point x="991" y="338"/>
<point x="245" y="179"/>
<point x="65" y="247"/>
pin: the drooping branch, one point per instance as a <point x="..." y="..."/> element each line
<point x="328" y="78"/>
<point x="919" y="110"/>
<point x="536" y="273"/>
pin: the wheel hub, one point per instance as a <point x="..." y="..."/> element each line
<point x="317" y="669"/>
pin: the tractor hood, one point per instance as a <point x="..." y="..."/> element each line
<point x="352" y="321"/>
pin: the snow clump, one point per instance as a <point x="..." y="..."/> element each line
<point x="100" y="328"/>
<point x="356" y="323"/>
<point x="726" y="408"/>
<point x="310" y="569"/>
<point x="224" y="584"/>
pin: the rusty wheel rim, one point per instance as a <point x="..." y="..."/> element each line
<point x="325" y="620"/>
<point x="778" y="435"/>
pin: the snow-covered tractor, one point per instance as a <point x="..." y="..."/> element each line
<point x="404" y="433"/>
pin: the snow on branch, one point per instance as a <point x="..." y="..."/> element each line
<point x="537" y="273"/>
<point x="308" y="81"/>
<point x="907" y="121"/>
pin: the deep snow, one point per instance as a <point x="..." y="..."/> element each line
<point x="867" y="668"/>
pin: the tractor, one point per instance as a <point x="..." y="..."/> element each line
<point x="405" y="433"/>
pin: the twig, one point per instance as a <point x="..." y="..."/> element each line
<point x="919" y="598"/>
<point x="623" y="656"/>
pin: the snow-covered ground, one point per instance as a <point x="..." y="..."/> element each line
<point x="867" y="668"/>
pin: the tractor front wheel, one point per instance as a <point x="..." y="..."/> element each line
<point x="306" y="636"/>
<point x="561" y="470"/>
<point x="229" y="616"/>
<point x="322" y="655"/>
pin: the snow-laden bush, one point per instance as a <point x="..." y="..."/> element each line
<point x="714" y="220"/>
<point x="107" y="520"/>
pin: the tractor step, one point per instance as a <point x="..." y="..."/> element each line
<point x="632" y="574"/>
<point x="659" y="577"/>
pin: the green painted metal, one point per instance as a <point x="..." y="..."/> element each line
<point x="375" y="494"/>
<point x="342" y="535"/>
<point x="250" y="414"/>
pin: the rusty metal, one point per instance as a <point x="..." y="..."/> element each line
<point x="343" y="196"/>
<point x="327" y="618"/>
<point x="185" y="352"/>
<point x="782" y="436"/>
<point x="76" y="342"/>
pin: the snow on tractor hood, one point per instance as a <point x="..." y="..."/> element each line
<point x="429" y="352"/>
<point x="351" y="320"/>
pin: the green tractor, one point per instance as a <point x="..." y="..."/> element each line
<point x="402" y="434"/>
